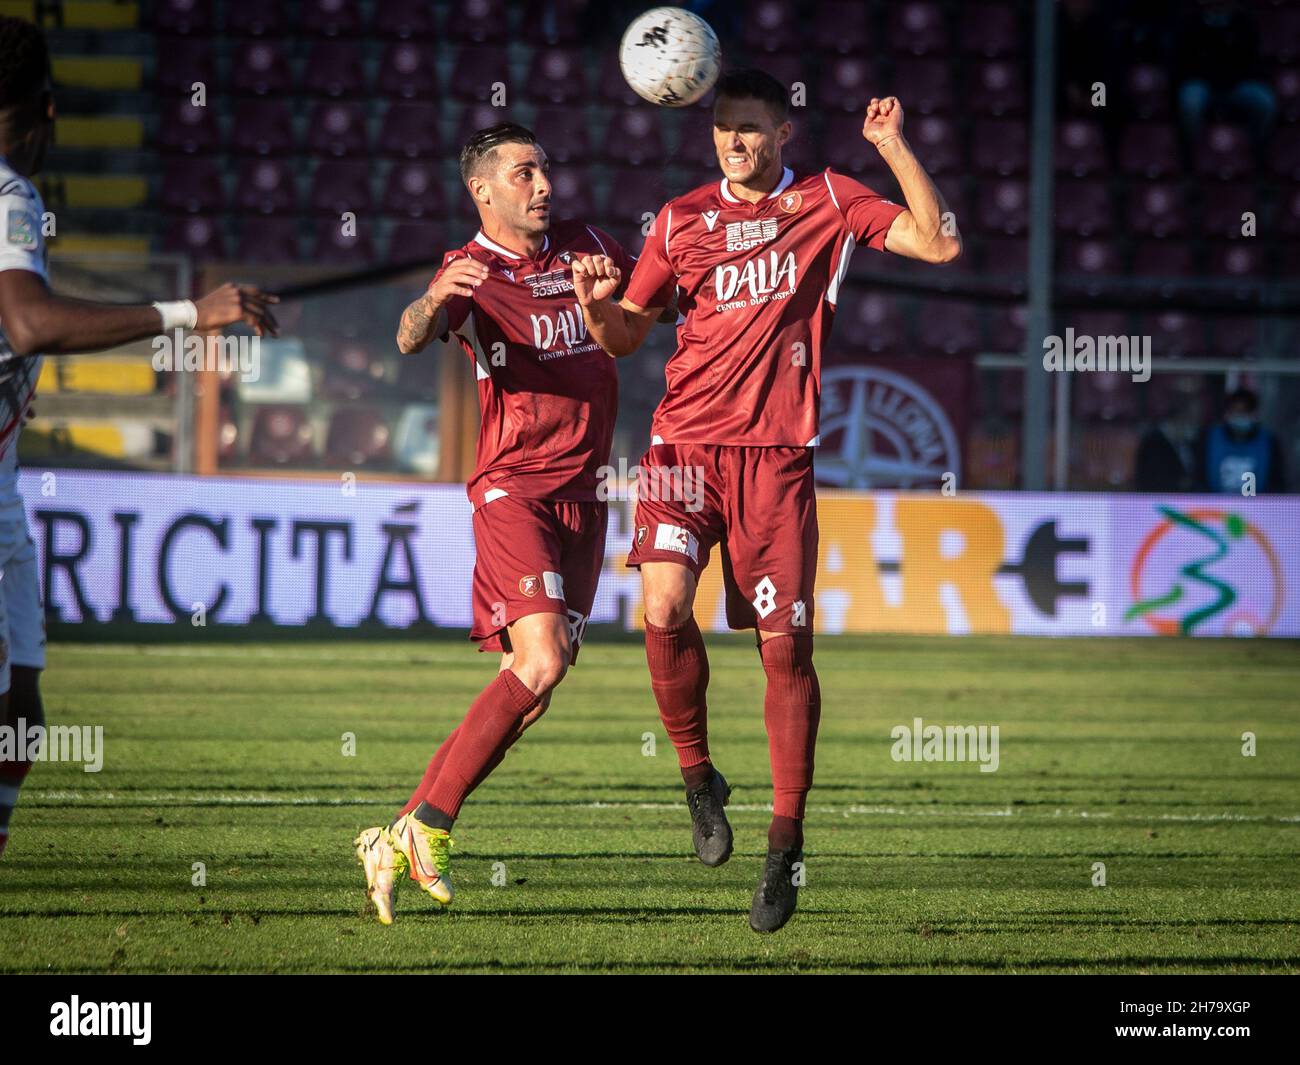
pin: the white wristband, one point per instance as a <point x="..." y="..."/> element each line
<point x="177" y="314"/>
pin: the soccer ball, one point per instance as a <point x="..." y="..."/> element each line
<point x="670" y="57"/>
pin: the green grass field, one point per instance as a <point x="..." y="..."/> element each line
<point x="1126" y="753"/>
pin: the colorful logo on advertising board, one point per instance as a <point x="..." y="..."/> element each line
<point x="1204" y="571"/>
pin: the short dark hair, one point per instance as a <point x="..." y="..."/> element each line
<point x="749" y="83"/>
<point x="24" y="61"/>
<point x="1245" y="397"/>
<point x="486" y="141"/>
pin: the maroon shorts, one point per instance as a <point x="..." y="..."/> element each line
<point x="758" y="503"/>
<point x="535" y="556"/>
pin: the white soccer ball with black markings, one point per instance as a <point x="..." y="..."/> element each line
<point x="670" y="56"/>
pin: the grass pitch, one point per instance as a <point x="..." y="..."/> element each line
<point x="1122" y="753"/>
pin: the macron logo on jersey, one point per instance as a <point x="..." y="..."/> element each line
<point x="710" y="219"/>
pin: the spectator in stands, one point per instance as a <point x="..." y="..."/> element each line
<point x="1159" y="465"/>
<point x="1239" y="445"/>
<point x="1217" y="57"/>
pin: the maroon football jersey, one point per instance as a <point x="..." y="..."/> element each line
<point x="756" y="286"/>
<point x="547" y="391"/>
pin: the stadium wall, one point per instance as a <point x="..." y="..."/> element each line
<point x="174" y="550"/>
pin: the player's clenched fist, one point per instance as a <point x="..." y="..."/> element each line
<point x="884" y="120"/>
<point x="595" y="278"/>
<point x="233" y="303"/>
<point x="460" y="277"/>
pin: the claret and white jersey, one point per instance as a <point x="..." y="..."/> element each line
<point x="756" y="285"/>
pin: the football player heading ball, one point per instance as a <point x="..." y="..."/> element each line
<point x="756" y="260"/>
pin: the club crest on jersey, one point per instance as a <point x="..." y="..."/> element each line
<point x="530" y="585"/>
<point x="790" y="201"/>
<point x="550" y="283"/>
<point x="641" y="531"/>
<point x="710" y="219"/>
<point x="21" y="229"/>
<point x="566" y="256"/>
<point x="741" y="236"/>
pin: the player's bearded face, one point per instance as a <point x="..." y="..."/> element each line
<point x="748" y="141"/>
<point x="520" y="190"/>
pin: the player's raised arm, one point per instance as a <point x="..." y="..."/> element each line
<point x="919" y="232"/>
<point x="37" y="321"/>
<point x="426" y="317"/>
<point x="618" y="327"/>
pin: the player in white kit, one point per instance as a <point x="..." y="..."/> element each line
<point x="34" y="321"/>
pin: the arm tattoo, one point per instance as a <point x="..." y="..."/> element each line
<point x="417" y="325"/>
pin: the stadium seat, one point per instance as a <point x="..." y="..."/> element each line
<point x="1236" y="260"/>
<point x="1286" y="87"/>
<point x="772" y="26"/>
<point x="1087" y="257"/>
<point x="1080" y="148"/>
<point x="1105" y="396"/>
<point x="480" y="116"/>
<point x="841" y="26"/>
<point x="1284" y="154"/>
<point x="358" y="437"/>
<point x="337" y="128"/>
<point x="352" y="371"/>
<point x="341" y="185"/>
<point x="416" y="443"/>
<point x="338" y="248"/>
<point x="418" y="377"/>
<point x="559" y="21"/>
<point x="1236" y="337"/>
<point x="633" y="136"/>
<point x="418" y="242"/>
<point x="195" y="235"/>
<point x="948" y="327"/>
<point x="1007" y="257"/>
<point x="1007" y="329"/>
<point x="1279" y="35"/>
<point x="634" y="193"/>
<point x="183" y="16"/>
<point x="1224" y="153"/>
<point x="181" y="62"/>
<point x="414" y="190"/>
<point x="1149" y="150"/>
<point x="478" y="21"/>
<point x="186" y="128"/>
<point x="845" y="148"/>
<point x="256" y="18"/>
<point x="924" y="86"/>
<point x="476" y="71"/>
<point x="281" y="436"/>
<point x="411" y="131"/>
<point x="260" y="68"/>
<point x="405" y="19"/>
<point x="1164" y="258"/>
<point x="1000" y="146"/>
<point x="330" y="18"/>
<point x="1148" y="91"/>
<point x="557" y="76"/>
<point x="407" y="71"/>
<point x="917" y="27"/>
<point x="269" y="240"/>
<point x="334" y="68"/>
<point x="262" y="127"/>
<point x="192" y="185"/>
<point x="1157" y="209"/>
<point x="937" y="145"/>
<point x="868" y="322"/>
<point x="997" y="88"/>
<point x="562" y="132"/>
<point x="788" y="68"/>
<point x="847" y="83"/>
<point x="1083" y="208"/>
<point x="1003" y="206"/>
<point x="991" y="31"/>
<point x="1173" y="334"/>
<point x="1222" y="207"/>
<point x="1011" y="393"/>
<point x="1288" y="214"/>
<point x="572" y="196"/>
